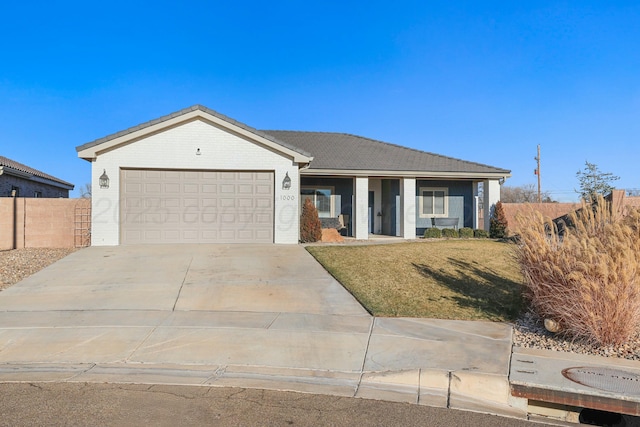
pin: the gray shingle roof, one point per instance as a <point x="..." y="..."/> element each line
<point x="336" y="151"/>
<point x="351" y="152"/>
<point x="4" y="161"/>
<point x="183" y="112"/>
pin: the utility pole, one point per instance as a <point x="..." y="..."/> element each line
<point x="537" y="172"/>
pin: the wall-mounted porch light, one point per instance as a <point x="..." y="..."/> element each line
<point x="104" y="179"/>
<point x="286" y="182"/>
<point x="198" y="152"/>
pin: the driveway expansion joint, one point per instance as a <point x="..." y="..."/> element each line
<point x="184" y="279"/>
<point x="366" y="353"/>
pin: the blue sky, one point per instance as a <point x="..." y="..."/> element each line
<point x="483" y="81"/>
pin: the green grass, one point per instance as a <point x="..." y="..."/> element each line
<point x="443" y="279"/>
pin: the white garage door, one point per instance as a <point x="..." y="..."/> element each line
<point x="177" y="206"/>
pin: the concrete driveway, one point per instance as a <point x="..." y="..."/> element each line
<point x="244" y="278"/>
<point x="257" y="316"/>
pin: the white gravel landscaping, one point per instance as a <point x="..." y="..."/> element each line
<point x="529" y="332"/>
<point x="18" y="264"/>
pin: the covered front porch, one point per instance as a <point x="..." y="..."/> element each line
<point x="366" y="206"/>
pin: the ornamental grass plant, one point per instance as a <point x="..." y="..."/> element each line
<point x="587" y="276"/>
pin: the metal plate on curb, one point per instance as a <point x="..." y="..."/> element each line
<point x="607" y="379"/>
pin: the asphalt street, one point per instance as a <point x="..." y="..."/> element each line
<point x="82" y="404"/>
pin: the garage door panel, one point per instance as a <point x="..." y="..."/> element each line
<point x="227" y="176"/>
<point x="263" y="203"/>
<point x="133" y="202"/>
<point x="209" y="188"/>
<point x="171" y="234"/>
<point x="245" y="176"/>
<point x="245" y="203"/>
<point x="227" y="202"/>
<point x="262" y="234"/>
<point x="208" y="206"/>
<point x="244" y="189"/>
<point x="263" y="189"/>
<point x="245" y="234"/>
<point x="132" y="174"/>
<point x="245" y="218"/>
<point x="152" y="235"/>
<point x="227" y="189"/>
<point x="191" y="202"/>
<point x="262" y="219"/>
<point x="209" y="235"/>
<point x="133" y="188"/>
<point x="263" y="176"/>
<point x="172" y="219"/>
<point x="153" y="187"/>
<point x="191" y="188"/>
<point x="209" y="218"/>
<point x="228" y="218"/>
<point x="171" y="175"/>
<point x="172" y="202"/>
<point x="172" y="187"/>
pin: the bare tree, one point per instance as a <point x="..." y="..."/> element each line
<point x="527" y="193"/>
<point x="85" y="191"/>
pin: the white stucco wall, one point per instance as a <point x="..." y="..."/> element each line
<point x="175" y="148"/>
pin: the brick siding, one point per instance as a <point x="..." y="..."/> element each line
<point x="27" y="188"/>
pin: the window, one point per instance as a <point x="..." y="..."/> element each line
<point x="434" y="202"/>
<point x="321" y="197"/>
<point x="37" y="194"/>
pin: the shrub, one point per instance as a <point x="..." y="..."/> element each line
<point x="480" y="234"/>
<point x="449" y="232"/>
<point x="586" y="278"/>
<point x="432" y="233"/>
<point x="310" y="225"/>
<point x="498" y="223"/>
<point x="465" y="233"/>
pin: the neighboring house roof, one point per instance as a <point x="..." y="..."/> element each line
<point x="183" y="112"/>
<point x="340" y="151"/>
<point x="12" y="167"/>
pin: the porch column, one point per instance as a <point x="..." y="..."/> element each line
<point x="476" y="206"/>
<point x="361" y="208"/>
<point x="408" y="208"/>
<point x="491" y="188"/>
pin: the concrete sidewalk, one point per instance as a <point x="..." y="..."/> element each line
<point x="452" y="364"/>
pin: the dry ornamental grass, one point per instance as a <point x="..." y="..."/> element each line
<point x="587" y="278"/>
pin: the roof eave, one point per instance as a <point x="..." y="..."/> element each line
<point x="91" y="150"/>
<point x="35" y="178"/>
<point x="408" y="174"/>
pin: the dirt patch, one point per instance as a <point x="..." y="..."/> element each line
<point x="18" y="264"/>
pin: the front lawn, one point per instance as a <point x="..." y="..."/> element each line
<point x="475" y="279"/>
